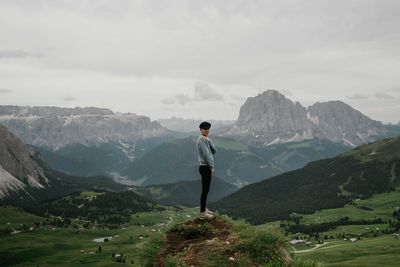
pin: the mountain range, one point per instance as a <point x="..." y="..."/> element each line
<point x="272" y="135"/>
<point x="55" y="127"/>
<point x="97" y="139"/>
<point x="271" y="118"/>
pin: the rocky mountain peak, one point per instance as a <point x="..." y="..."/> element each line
<point x="270" y="114"/>
<point x="270" y="118"/>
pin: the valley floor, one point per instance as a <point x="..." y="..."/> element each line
<point x="46" y="245"/>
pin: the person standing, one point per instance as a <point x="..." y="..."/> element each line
<point x="205" y="151"/>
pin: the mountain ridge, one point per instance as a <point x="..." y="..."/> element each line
<point x="270" y="118"/>
<point x="55" y="127"/>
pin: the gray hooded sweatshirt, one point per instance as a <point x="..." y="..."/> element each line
<point x="205" y="151"/>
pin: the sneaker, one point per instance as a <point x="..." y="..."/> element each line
<point x="205" y="215"/>
<point x="209" y="211"/>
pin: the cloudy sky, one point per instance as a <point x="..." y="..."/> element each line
<point x="200" y="59"/>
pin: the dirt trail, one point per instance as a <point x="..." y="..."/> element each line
<point x="219" y="240"/>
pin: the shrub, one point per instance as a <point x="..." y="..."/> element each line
<point x="264" y="247"/>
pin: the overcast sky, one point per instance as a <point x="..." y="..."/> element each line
<point x="200" y="59"/>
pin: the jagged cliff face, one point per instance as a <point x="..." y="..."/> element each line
<point x="273" y="114"/>
<point x="19" y="166"/>
<point x="55" y="127"/>
<point x="271" y="118"/>
<point x="339" y="122"/>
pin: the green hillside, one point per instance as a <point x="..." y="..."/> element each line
<point x="328" y="183"/>
<point x="375" y="243"/>
<point x="102" y="208"/>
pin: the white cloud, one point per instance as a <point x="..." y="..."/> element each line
<point x="239" y="98"/>
<point x="132" y="55"/>
<point x="202" y="92"/>
<point x="18" y="54"/>
<point x="4" y="91"/>
<point x="357" y="96"/>
<point x="68" y="98"/>
<point x="383" y="95"/>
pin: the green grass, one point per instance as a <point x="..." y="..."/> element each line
<point x="60" y="247"/>
<point x="382" y="206"/>
<point x="383" y="250"/>
<point x="356" y="229"/>
<point x="46" y="246"/>
<point x="379" y="251"/>
<point x="260" y="244"/>
<point x="14" y="217"/>
<point x="149" y="218"/>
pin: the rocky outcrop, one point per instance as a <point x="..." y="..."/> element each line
<point x="20" y="166"/>
<point x="219" y="242"/>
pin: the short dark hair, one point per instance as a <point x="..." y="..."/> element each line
<point x="205" y="125"/>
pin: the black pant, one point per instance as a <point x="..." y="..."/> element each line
<point x="205" y="172"/>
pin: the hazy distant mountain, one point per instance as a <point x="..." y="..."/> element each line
<point x="235" y="162"/>
<point x="55" y="127"/>
<point x="392" y="130"/>
<point x="191" y="125"/>
<point x="328" y="183"/>
<point x="271" y="118"/>
<point x="25" y="178"/>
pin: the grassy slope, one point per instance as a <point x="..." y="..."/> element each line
<point x="54" y="246"/>
<point x="382" y="204"/>
<point x="378" y="251"/>
<point x="372" y="252"/>
<point x="47" y="247"/>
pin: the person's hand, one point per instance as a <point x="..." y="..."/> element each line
<point x="212" y="171"/>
